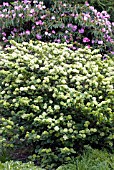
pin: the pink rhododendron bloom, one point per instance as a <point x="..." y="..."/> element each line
<point x="86" y="39"/>
<point x="86" y="3"/>
<point x="14" y="15"/>
<point x="1" y="15"/>
<point x="93" y="41"/>
<point x="72" y="15"/>
<point x="103" y="29"/>
<point x="53" y="32"/>
<point x="69" y="25"/>
<point x="74" y="28"/>
<point x="85" y="18"/>
<point x="25" y="1"/>
<point x="5" y="4"/>
<point x="27" y="32"/>
<point x="53" y="17"/>
<point x="38" y="36"/>
<point x="100" y="42"/>
<point x="57" y="40"/>
<point x="32" y="11"/>
<point x="49" y="34"/>
<point x="4" y="10"/>
<point x="112" y="52"/>
<point x="4" y="38"/>
<point x="20" y="15"/>
<point x="4" y="34"/>
<point x="43" y="16"/>
<point x="16" y="7"/>
<point x="62" y="15"/>
<point x="39" y="22"/>
<point x="33" y="26"/>
<point x="12" y="33"/>
<point x="88" y="46"/>
<point x="91" y="7"/>
<point x="15" y="30"/>
<point x="81" y="31"/>
<point x="46" y="33"/>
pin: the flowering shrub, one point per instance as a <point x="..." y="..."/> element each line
<point x="54" y="101"/>
<point x="100" y="5"/>
<point x="79" y="25"/>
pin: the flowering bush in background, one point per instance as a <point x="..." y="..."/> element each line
<point x="54" y="101"/>
<point x="79" y="25"/>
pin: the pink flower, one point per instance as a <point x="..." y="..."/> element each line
<point x="39" y="22"/>
<point x="12" y="33"/>
<point x="85" y="18"/>
<point x="4" y="34"/>
<point x="86" y="39"/>
<point x="25" y="1"/>
<point x="16" y="7"/>
<point x="93" y="41"/>
<point x="53" y="17"/>
<point x="15" y="30"/>
<point x="53" y="32"/>
<point x="103" y="29"/>
<point x="20" y="15"/>
<point x="91" y="7"/>
<point x="74" y="28"/>
<point x="38" y="36"/>
<point x="5" y="4"/>
<point x="100" y="42"/>
<point x="14" y="15"/>
<point x="27" y="32"/>
<point x="112" y="52"/>
<point x="32" y="11"/>
<point x="86" y="3"/>
<point x="81" y="31"/>
<point x="72" y="15"/>
<point x="57" y="40"/>
<point x="33" y="26"/>
<point x="4" y="38"/>
<point x="46" y="33"/>
<point x="88" y="46"/>
<point x="1" y="15"/>
<point x="69" y="25"/>
<point x="66" y="31"/>
<point x="43" y="16"/>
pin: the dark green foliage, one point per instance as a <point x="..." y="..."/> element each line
<point x="54" y="101"/>
<point x="80" y="25"/>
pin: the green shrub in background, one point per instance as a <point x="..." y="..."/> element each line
<point x="80" y="25"/>
<point x="54" y="101"/>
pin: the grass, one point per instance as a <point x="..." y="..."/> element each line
<point x="92" y="159"/>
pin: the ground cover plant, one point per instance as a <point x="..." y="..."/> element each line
<point x="54" y="101"/>
<point x="90" y="160"/>
<point x="18" y="165"/>
<point x="80" y="25"/>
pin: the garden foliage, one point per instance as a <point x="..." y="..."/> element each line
<point x="18" y="165"/>
<point x="79" y="25"/>
<point x="54" y="101"/>
<point x="100" y="5"/>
